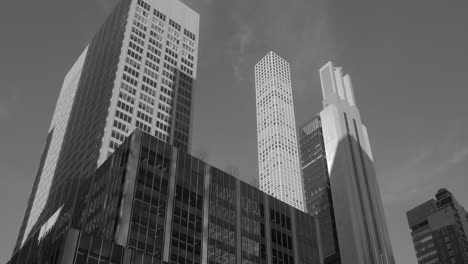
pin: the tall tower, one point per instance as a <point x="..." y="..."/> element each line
<point x="357" y="205"/>
<point x="137" y="72"/>
<point x="278" y="159"/>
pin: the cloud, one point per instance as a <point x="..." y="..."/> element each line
<point x="458" y="156"/>
<point x="244" y="39"/>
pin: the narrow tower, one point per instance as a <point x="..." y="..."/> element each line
<point x="278" y="159"/>
<point x="357" y="205"/>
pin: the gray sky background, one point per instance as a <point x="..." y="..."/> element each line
<point x="407" y="59"/>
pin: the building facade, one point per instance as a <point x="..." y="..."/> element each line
<point x="317" y="190"/>
<point x="439" y="230"/>
<point x="278" y="157"/>
<point x="359" y="216"/>
<point x="137" y="72"/>
<point x="152" y="203"/>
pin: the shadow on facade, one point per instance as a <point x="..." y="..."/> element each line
<point x="359" y="216"/>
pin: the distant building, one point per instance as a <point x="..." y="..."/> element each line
<point x="317" y="190"/>
<point x="278" y="157"/>
<point x="439" y="230"/>
<point x="138" y="71"/>
<point x="152" y="203"/>
<point x="340" y="182"/>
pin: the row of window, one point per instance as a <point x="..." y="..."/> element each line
<point x="139" y="25"/>
<point x="174" y="24"/>
<point x="131" y="71"/>
<point x="134" y="54"/>
<point x="151" y="73"/>
<point x="189" y="34"/>
<point x="164" y="117"/>
<point x="120" y="137"/>
<point x="165" y="99"/>
<point x="145" y="107"/>
<point x="124" y="106"/>
<point x="143" y="126"/>
<point x="136" y="39"/>
<point x="127" y="98"/>
<point x="120" y="126"/>
<point x="147" y="99"/>
<point x="162" y="126"/>
<point x="123" y="116"/>
<point x="161" y="136"/>
<point x="132" y="62"/>
<point x="144" y="117"/>
<point x="152" y="65"/>
<point x="149" y="90"/>
<point x="128" y="88"/>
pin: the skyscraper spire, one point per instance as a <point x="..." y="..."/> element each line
<point x="341" y="184"/>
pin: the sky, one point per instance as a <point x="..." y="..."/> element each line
<point x="407" y="60"/>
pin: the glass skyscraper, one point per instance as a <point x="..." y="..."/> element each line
<point x="150" y="202"/>
<point x="439" y="230"/>
<point x="340" y="183"/>
<point x="317" y="190"/>
<point x="137" y="72"/>
<point x="278" y="157"/>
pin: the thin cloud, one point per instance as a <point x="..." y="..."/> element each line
<point x="458" y="156"/>
<point x="244" y="39"/>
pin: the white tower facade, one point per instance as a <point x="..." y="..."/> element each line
<point x="360" y="221"/>
<point x="278" y="157"/>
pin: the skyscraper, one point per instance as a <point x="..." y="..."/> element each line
<point x="355" y="197"/>
<point x="151" y="203"/>
<point x="278" y="159"/>
<point x="137" y="72"/>
<point x="317" y="190"/>
<point x="439" y="230"/>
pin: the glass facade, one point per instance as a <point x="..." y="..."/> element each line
<point x="317" y="190"/>
<point x="137" y="72"/>
<point x="161" y="204"/>
<point x="78" y="149"/>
